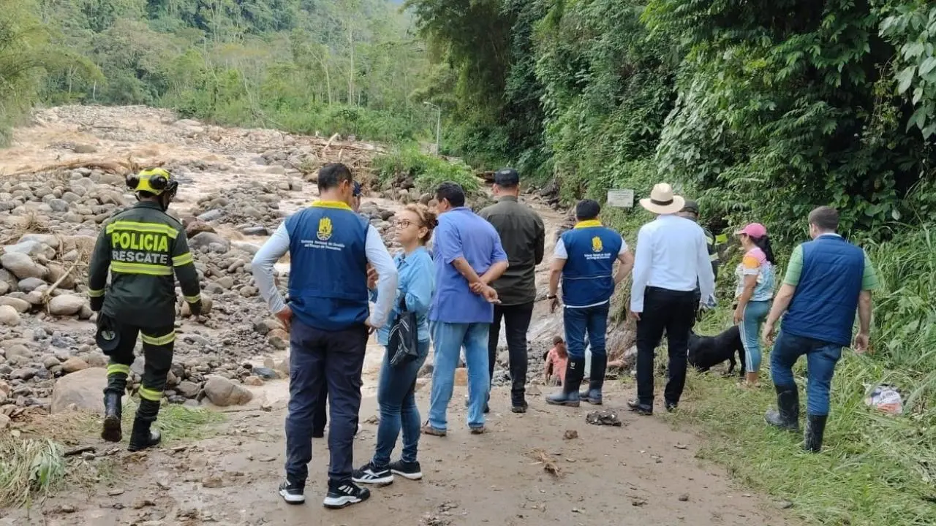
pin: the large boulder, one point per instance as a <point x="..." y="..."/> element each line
<point x="22" y="266"/>
<point x="66" y="305"/>
<point x="31" y="248"/>
<point x="45" y="239"/>
<point x="74" y="364"/>
<point x="210" y="241"/>
<point x="84" y="390"/>
<point x="19" y="304"/>
<point x="9" y="316"/>
<point x="223" y="392"/>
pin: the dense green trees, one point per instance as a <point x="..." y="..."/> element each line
<point x="763" y="109"/>
<point x="347" y="66"/>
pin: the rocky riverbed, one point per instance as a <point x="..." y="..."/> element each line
<point x="64" y="177"/>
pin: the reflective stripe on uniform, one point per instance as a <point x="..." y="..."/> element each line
<point x="118" y="368"/>
<point x="184" y="259"/>
<point x="193" y="299"/>
<point x="713" y="256"/>
<point x="150" y="394"/>
<point x="140" y="268"/>
<point x="95" y="293"/>
<point x="134" y="226"/>
<point x="158" y="340"/>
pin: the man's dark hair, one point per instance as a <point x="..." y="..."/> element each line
<point x="507" y="178"/>
<point x="452" y="192"/>
<point x="332" y="174"/>
<point x="825" y="218"/>
<point x="587" y="209"/>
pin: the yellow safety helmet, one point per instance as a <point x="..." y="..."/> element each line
<point x="154" y="180"/>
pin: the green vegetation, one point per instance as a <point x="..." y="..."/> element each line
<point x="304" y="66"/>
<point x="427" y="171"/>
<point x="32" y="466"/>
<point x="28" y="468"/>
<point x="177" y="423"/>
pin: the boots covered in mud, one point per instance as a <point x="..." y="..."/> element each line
<point x="143" y="436"/>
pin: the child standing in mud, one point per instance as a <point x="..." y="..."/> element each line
<point x="556" y="361"/>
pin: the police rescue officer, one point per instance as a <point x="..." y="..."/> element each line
<point x="142" y="247"/>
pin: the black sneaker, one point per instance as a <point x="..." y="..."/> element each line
<point x="292" y="492"/>
<point x="343" y="494"/>
<point x="371" y="474"/>
<point x="408" y="470"/>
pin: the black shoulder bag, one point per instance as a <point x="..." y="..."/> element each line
<point x="404" y="338"/>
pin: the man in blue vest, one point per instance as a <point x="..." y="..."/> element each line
<point x="827" y="280"/>
<point x="584" y="258"/>
<point x="329" y="248"/>
<point x="320" y="420"/>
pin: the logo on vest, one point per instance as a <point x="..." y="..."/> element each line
<point x="324" y="229"/>
<point x="596" y="244"/>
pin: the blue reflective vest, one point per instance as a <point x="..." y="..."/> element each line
<point x="328" y="260"/>
<point x="826" y="298"/>
<point x="588" y="274"/>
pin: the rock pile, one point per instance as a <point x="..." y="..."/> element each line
<point x="46" y="324"/>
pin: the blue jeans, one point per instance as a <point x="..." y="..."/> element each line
<point x="578" y="322"/>
<point x="333" y="358"/>
<point x="397" y="400"/>
<point x="821" y="358"/>
<point x="755" y="312"/>
<point x="448" y="339"/>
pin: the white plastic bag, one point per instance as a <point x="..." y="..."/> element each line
<point x="885" y="398"/>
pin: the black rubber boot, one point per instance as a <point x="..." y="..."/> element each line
<point x="570" y="386"/>
<point x="786" y="416"/>
<point x="599" y="366"/>
<point x="116" y="387"/>
<point x="143" y="436"/>
<point x="815" y="428"/>
<point x="111" y="431"/>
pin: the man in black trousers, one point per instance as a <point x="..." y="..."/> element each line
<point x="672" y="258"/>
<point x="523" y="236"/>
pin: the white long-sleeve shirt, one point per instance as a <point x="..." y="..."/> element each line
<point x="671" y="254"/>
<point x="377" y="256"/>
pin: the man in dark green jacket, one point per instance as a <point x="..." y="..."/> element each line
<point x="523" y="237"/>
<point x="142" y="247"/>
<point x="691" y="211"/>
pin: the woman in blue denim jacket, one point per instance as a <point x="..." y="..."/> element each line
<point x="397" y="387"/>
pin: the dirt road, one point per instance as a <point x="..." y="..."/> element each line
<point x="641" y="473"/>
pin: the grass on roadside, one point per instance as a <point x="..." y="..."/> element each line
<point x="33" y="464"/>
<point x="875" y="469"/>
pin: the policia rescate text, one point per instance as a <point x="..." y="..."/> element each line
<point x="144" y="249"/>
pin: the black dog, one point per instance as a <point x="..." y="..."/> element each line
<point x="708" y="351"/>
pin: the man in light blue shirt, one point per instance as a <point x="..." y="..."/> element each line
<point x="468" y="255"/>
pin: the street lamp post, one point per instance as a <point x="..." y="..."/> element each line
<point x="438" y="125"/>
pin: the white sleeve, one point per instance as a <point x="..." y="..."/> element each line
<point x="642" y="260"/>
<point x="262" y="267"/>
<point x="379" y="258"/>
<point x="560" y="251"/>
<point x="704" y="267"/>
<point x="623" y="247"/>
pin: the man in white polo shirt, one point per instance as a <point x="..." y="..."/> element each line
<point x="671" y="258"/>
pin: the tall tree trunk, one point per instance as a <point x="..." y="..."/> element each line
<point x="351" y="70"/>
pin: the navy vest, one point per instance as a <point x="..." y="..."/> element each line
<point x="587" y="277"/>
<point x="826" y="298"/>
<point x="328" y="260"/>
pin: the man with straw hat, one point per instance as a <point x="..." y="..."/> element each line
<point x="671" y="259"/>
